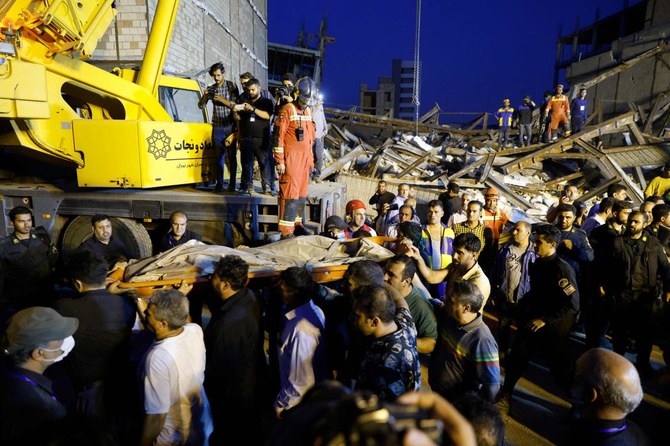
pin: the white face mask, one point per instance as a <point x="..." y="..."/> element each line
<point x="66" y="348"/>
<point x="340" y="236"/>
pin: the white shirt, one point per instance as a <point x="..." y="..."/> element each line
<point x="174" y="370"/>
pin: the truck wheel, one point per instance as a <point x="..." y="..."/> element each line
<point x="133" y="235"/>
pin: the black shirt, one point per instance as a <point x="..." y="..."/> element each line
<point x="101" y="341"/>
<point x="168" y="241"/>
<point x="115" y="246"/>
<point x="233" y="339"/>
<point x="258" y="127"/>
<point x="27" y="404"/>
<point x="25" y="268"/>
<point x="553" y="295"/>
<point x="606" y="433"/>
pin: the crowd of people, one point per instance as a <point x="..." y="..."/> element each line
<point x="86" y="361"/>
<point x="137" y="371"/>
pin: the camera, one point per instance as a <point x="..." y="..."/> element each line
<point x="299" y="133"/>
<point x="386" y="424"/>
<point x="282" y="91"/>
<point x="211" y="91"/>
<point x="335" y="416"/>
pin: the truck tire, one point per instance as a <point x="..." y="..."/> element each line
<point x="133" y="235"/>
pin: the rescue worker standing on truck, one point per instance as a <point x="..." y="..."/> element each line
<point x="560" y="112"/>
<point x="223" y="94"/>
<point x="294" y="136"/>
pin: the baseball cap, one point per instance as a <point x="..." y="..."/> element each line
<point x="37" y="325"/>
<point x="335" y="222"/>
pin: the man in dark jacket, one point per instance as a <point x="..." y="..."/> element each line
<point x="639" y="269"/>
<point x="178" y="233"/>
<point x="99" y="362"/>
<point x="234" y="340"/>
<point x="35" y="339"/>
<point x="546" y="315"/>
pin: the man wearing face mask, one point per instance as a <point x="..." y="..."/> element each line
<point x="35" y="338"/>
<point x="335" y="228"/>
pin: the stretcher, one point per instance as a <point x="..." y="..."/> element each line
<point x="331" y="267"/>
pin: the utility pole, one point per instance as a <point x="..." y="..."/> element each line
<point x="417" y="62"/>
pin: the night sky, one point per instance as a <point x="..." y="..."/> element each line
<point x="474" y="53"/>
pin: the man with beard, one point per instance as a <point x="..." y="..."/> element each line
<point x="598" y="312"/>
<point x="474" y="224"/>
<point x="102" y="241"/>
<point x="463" y="267"/>
<point x="466" y="358"/>
<point x="640" y="267"/>
<point x="253" y="118"/>
<point x="27" y="259"/>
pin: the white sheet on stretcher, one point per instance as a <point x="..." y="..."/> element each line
<point x="194" y="259"/>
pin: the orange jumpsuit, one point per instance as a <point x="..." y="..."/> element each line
<point x="298" y="158"/>
<point x="560" y="112"/>
<point x="496" y="221"/>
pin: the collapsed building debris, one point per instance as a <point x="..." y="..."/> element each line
<point x="605" y="152"/>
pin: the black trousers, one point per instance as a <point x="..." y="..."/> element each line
<point x="253" y="149"/>
<point x="548" y="341"/>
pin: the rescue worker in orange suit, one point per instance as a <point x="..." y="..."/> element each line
<point x="559" y="105"/>
<point x="294" y="136"/>
<point x="492" y="217"/>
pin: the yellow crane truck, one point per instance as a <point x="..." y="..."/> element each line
<point x="118" y="143"/>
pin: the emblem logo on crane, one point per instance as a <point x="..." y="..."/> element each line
<point x="159" y="144"/>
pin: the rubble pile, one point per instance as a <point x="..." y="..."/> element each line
<point x="613" y="150"/>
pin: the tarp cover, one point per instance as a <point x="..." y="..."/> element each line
<point x="194" y="259"/>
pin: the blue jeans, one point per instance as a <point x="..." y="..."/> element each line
<point x="527" y="131"/>
<point x="219" y="135"/>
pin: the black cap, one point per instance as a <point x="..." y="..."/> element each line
<point x="335" y="222"/>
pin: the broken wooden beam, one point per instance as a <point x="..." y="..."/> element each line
<point x="339" y="164"/>
<point x="609" y="126"/>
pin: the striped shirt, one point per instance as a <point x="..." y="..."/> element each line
<point x="464" y="358"/>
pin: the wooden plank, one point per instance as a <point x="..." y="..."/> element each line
<point x="494" y="180"/>
<point x="565" y="179"/>
<point x="487" y="167"/>
<point x="599" y="190"/>
<point x="619" y="68"/>
<point x="610" y="126"/>
<point x="635" y="130"/>
<point x="637" y="172"/>
<point x="568" y="156"/>
<point x="415" y="164"/>
<point x="636" y="192"/>
<point x="339" y="164"/>
<point x="468" y="168"/>
<point x="378" y="121"/>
